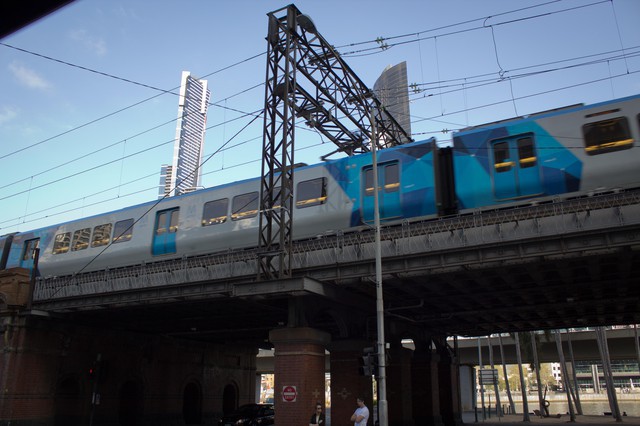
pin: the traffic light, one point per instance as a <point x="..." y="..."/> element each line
<point x="93" y="371"/>
<point x="368" y="362"/>
<point x="98" y="370"/>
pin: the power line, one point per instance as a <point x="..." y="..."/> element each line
<point x="533" y="95"/>
<point x="162" y="92"/>
<point x="107" y="163"/>
<point x="66" y="163"/>
<point x="474" y="83"/>
<point x="171" y="91"/>
<point x="422" y="119"/>
<point x="382" y="39"/>
<point x="151" y="208"/>
<point x="384" y="46"/>
<point x="260" y="84"/>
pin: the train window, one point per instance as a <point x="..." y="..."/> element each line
<point x="501" y="157"/>
<point x="245" y="206"/>
<point x="30" y="247"/>
<point x="526" y="153"/>
<point x="61" y="243"/>
<point x="215" y="212"/>
<point x="311" y="193"/>
<point x="606" y="136"/>
<point x="170" y="226"/>
<point x="173" y="221"/>
<point x="391" y="178"/>
<point x="80" y="239"/>
<point x="101" y="235"/>
<point x="123" y="231"/>
<point x="388" y="173"/>
<point x="368" y="181"/>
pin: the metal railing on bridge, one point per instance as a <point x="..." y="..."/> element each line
<point x="556" y="228"/>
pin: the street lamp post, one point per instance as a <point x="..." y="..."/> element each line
<point x="383" y="418"/>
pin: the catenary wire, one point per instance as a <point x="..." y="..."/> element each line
<point x="472" y="108"/>
<point x="377" y="49"/>
<point x="162" y="92"/>
<point x="94" y="258"/>
<point x="222" y="69"/>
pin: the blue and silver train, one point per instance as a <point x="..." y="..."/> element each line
<point x="569" y="152"/>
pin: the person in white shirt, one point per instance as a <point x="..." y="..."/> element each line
<point x="360" y="417"/>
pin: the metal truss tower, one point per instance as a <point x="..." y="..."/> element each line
<point x="306" y="78"/>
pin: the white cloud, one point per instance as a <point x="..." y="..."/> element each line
<point x="7" y="114"/>
<point x="28" y="77"/>
<point x="126" y="13"/>
<point x="95" y="44"/>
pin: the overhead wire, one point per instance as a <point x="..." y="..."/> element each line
<point x="484" y="26"/>
<point x="153" y="206"/>
<point x="506" y="77"/>
<point x="105" y="74"/>
<point x="412" y="34"/>
<point x="163" y="91"/>
<point x="139" y="152"/>
<point x="260" y="84"/>
<point x="536" y="94"/>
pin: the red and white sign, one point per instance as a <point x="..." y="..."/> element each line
<point x="289" y="393"/>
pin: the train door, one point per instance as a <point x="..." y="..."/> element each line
<point x="164" y="232"/>
<point x="388" y="192"/>
<point x="515" y="167"/>
<point x="29" y="253"/>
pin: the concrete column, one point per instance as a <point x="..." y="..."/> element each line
<point x="399" y="382"/>
<point x="346" y="382"/>
<point x="425" y="386"/>
<point x="448" y="376"/>
<point x="299" y="369"/>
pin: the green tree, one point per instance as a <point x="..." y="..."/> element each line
<point x="546" y="375"/>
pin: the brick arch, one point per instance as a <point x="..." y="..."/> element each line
<point x="331" y="321"/>
<point x="68" y="401"/>
<point x="192" y="403"/>
<point x="131" y="403"/>
<point x="230" y="395"/>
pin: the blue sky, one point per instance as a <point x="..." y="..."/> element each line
<point x="75" y="141"/>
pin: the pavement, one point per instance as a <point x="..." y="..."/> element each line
<point x="518" y="419"/>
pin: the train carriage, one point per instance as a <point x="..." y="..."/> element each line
<point x="568" y="152"/>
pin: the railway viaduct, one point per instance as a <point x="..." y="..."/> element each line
<point x="177" y="340"/>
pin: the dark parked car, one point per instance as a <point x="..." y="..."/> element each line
<point x="249" y="415"/>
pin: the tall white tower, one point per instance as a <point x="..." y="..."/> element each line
<point x="184" y="172"/>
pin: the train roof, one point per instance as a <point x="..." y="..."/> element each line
<point x="542" y="114"/>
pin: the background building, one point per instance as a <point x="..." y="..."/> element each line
<point x="183" y="175"/>
<point x="392" y="89"/>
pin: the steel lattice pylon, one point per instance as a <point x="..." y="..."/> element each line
<point x="307" y="78"/>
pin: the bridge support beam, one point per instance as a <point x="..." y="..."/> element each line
<point x="299" y="367"/>
<point x="346" y="382"/>
<point x="449" y="378"/>
<point x="425" y="385"/>
<point x="399" y="385"/>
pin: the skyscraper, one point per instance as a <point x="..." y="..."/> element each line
<point x="392" y="89"/>
<point x="184" y="172"/>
